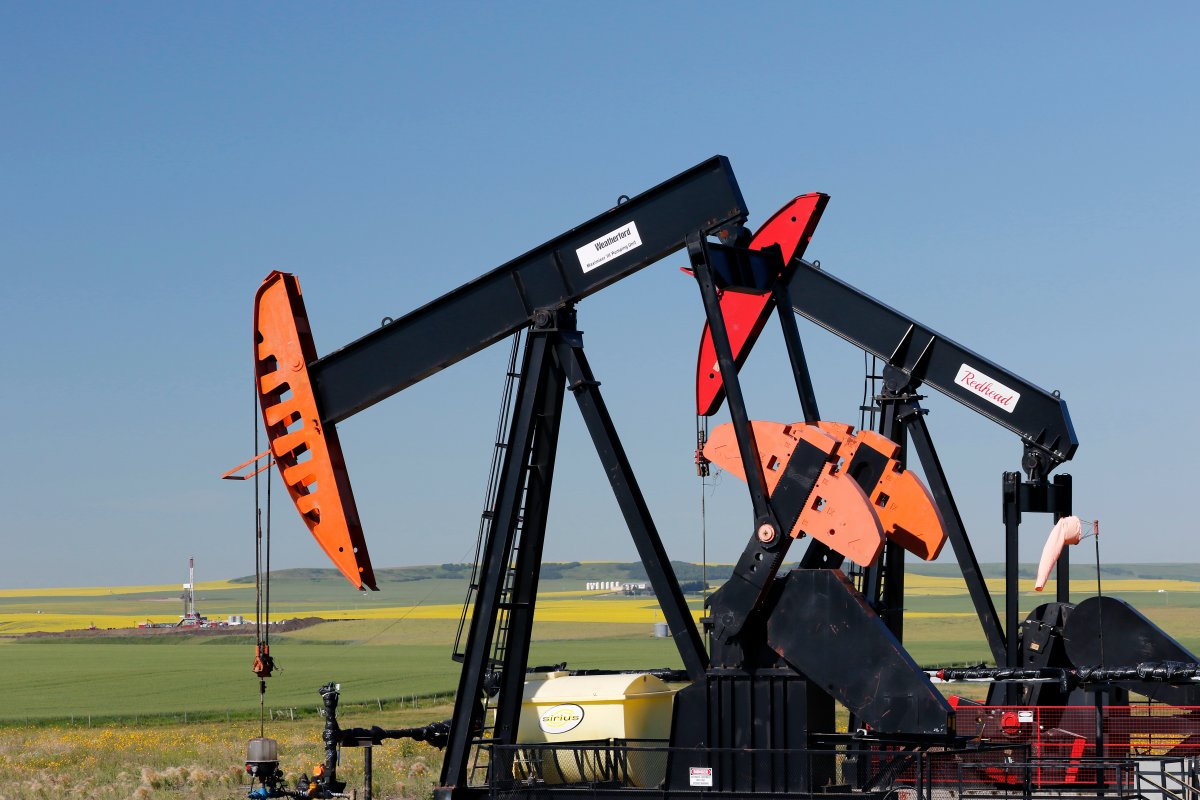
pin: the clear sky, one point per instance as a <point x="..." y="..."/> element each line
<point x="1022" y="177"/>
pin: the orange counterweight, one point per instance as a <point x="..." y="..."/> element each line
<point x="839" y="513"/>
<point x="308" y="454"/>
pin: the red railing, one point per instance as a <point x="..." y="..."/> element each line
<point x="1071" y="732"/>
<point x="1048" y="747"/>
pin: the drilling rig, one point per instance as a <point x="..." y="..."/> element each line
<point x="191" y="618"/>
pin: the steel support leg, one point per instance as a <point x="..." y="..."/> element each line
<point x="883" y="583"/>
<point x="537" y="480"/>
<point x="755" y="571"/>
<point x="935" y="477"/>
<point x="1063" y="502"/>
<point x="1012" y="526"/>
<point x="476" y="662"/>
<point x="586" y="389"/>
<point x="795" y="349"/>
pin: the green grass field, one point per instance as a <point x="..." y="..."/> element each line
<point x="396" y="643"/>
<point x="378" y="659"/>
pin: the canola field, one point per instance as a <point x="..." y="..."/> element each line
<point x="25" y="611"/>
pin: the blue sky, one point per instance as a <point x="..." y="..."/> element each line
<point x="1021" y="177"/>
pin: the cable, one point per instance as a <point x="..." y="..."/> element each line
<point x="267" y="572"/>
<point x="263" y="663"/>
<point x="1099" y="593"/>
<point x="862" y="407"/>
<point x="258" y="616"/>
<point x="702" y="470"/>
<point x="704" y="526"/>
<point x="409" y="613"/>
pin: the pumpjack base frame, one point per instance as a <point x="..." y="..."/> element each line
<point x="859" y="768"/>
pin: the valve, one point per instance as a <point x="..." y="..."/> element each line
<point x="262" y="764"/>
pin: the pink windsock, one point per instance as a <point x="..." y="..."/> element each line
<point x="1068" y="530"/>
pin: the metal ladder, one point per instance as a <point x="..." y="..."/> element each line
<point x="489" y="499"/>
<point x="477" y="772"/>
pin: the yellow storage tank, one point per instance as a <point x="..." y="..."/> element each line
<point x="600" y="711"/>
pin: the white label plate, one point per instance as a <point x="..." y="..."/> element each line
<point x="988" y="388"/>
<point x="700" y="776"/>
<point x="612" y="244"/>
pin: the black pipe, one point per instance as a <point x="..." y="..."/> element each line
<point x="1176" y="672"/>
<point x="331" y="738"/>
<point x="367" y="772"/>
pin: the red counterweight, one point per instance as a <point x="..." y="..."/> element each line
<point x="745" y="314"/>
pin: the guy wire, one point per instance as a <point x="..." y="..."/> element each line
<point x="258" y="618"/>
<point x="704" y="528"/>
<point x="1099" y="593"/>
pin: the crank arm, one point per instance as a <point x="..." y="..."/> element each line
<point x="837" y="512"/>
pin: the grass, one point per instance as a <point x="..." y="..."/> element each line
<point x="383" y="659"/>
<point x="119" y="680"/>
<point x="123" y="716"/>
<point x="176" y="761"/>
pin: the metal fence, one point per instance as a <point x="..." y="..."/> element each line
<point x="1076" y="732"/>
<point x="633" y="768"/>
<point x="643" y="769"/>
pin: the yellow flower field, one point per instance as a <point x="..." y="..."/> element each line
<point x="574" y="606"/>
<point x="105" y="591"/>
<point x="631" y="610"/>
<point x="634" y="609"/>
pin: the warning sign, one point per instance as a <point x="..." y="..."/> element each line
<point x="700" y="776"/>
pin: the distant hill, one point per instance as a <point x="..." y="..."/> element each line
<point x="1080" y="570"/>
<point x="716" y="573"/>
<point x="571" y="570"/>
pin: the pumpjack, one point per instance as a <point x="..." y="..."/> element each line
<point x="755" y="716"/>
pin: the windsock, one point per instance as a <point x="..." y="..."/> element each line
<point x="1068" y="530"/>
